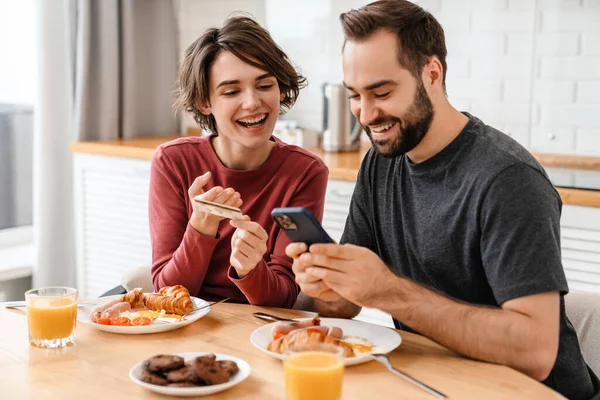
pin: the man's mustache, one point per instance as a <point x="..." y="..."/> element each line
<point x="382" y="121"/>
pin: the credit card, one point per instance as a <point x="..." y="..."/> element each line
<point x="218" y="209"/>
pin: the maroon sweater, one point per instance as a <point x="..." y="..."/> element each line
<point x="291" y="177"/>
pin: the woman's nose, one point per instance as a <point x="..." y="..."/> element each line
<point x="251" y="100"/>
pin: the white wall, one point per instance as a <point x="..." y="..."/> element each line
<point x="528" y="67"/>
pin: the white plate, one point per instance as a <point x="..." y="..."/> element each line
<point x="384" y="338"/>
<point x="83" y="316"/>
<point x="242" y="374"/>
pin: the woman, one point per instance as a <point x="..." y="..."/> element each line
<point x="235" y="81"/>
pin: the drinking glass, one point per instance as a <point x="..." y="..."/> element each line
<point x="314" y="371"/>
<point x="51" y="316"/>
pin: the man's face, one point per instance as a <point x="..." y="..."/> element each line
<point x="392" y="106"/>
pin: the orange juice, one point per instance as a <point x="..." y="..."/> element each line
<point x="51" y="316"/>
<point x="313" y="375"/>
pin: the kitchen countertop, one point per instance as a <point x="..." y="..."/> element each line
<point x="344" y="166"/>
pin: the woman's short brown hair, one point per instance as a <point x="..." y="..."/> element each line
<point x="420" y="35"/>
<point x="248" y="41"/>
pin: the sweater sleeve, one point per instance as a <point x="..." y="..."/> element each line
<point x="180" y="254"/>
<point x="272" y="282"/>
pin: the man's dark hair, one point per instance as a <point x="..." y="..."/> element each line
<point x="420" y="35"/>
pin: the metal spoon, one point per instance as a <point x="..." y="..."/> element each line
<point x="382" y="358"/>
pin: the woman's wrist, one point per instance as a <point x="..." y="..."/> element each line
<point x="204" y="228"/>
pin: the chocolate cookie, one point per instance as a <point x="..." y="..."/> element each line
<point x="229" y="366"/>
<point x="208" y="372"/>
<point x="182" y="384"/>
<point x="163" y="363"/>
<point x="183" y="374"/>
<point x="153" y="378"/>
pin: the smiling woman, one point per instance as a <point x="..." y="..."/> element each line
<point x="235" y="81"/>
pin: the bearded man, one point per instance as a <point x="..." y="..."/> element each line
<point x="454" y="228"/>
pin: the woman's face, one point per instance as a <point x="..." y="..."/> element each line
<point x="243" y="99"/>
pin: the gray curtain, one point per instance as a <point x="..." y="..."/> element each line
<point x="125" y="68"/>
<point x="106" y="70"/>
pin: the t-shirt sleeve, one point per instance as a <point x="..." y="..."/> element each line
<point x="520" y="234"/>
<point x="358" y="229"/>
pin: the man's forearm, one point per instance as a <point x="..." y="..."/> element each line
<point x="335" y="309"/>
<point x="484" y="333"/>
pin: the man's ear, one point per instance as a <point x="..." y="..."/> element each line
<point x="281" y="96"/>
<point x="433" y="72"/>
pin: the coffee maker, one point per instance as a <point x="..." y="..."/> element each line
<point x="341" y="130"/>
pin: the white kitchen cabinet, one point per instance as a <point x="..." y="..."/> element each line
<point x="111" y="200"/>
<point x="580" y="243"/>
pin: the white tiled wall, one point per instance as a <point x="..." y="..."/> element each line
<point x="528" y="67"/>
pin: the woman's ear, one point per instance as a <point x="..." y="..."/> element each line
<point x="281" y="96"/>
<point x="205" y="109"/>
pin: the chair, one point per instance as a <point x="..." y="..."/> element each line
<point x="138" y="278"/>
<point x="583" y="310"/>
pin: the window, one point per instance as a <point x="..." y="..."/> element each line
<point x="17" y="97"/>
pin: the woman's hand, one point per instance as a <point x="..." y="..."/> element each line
<point x="248" y="245"/>
<point x="208" y="224"/>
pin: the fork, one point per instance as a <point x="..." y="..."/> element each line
<point x="184" y="316"/>
<point x="384" y="359"/>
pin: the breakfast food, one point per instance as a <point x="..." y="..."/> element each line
<point x="172" y="299"/>
<point x="171" y="370"/>
<point x="168" y="305"/>
<point x="306" y="333"/>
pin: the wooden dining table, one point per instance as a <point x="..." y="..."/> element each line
<point x="97" y="366"/>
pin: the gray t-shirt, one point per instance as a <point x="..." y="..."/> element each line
<point x="480" y="222"/>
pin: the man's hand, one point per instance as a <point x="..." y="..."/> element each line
<point x="353" y="272"/>
<point x="208" y="224"/>
<point x="309" y="284"/>
<point x="248" y="245"/>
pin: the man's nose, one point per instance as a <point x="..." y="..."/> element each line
<point x="368" y="113"/>
<point x="251" y="100"/>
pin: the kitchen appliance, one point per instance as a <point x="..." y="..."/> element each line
<point x="341" y="131"/>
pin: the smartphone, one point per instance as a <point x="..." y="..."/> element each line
<point x="218" y="209"/>
<point x="300" y="225"/>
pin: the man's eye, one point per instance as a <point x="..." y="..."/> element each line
<point x="382" y="95"/>
<point x="353" y="96"/>
<point x="265" y="87"/>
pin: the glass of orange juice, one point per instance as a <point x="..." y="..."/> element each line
<point x="51" y="316"/>
<point x="314" y="371"/>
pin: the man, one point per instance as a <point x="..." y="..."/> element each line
<point x="453" y="227"/>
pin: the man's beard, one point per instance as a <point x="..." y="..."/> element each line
<point x="413" y="126"/>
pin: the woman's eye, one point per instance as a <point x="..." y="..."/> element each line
<point x="265" y="87"/>
<point x="230" y="93"/>
<point x="353" y="96"/>
<point x="382" y="95"/>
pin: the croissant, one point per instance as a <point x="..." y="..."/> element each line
<point x="134" y="297"/>
<point x="172" y="299"/>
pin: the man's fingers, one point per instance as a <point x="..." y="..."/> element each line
<point x="315" y="289"/>
<point x="319" y="260"/>
<point x="198" y="184"/>
<point x="212" y="194"/>
<point x="326" y="275"/>
<point x="304" y="278"/>
<point x="339" y="251"/>
<point x="293" y="250"/>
